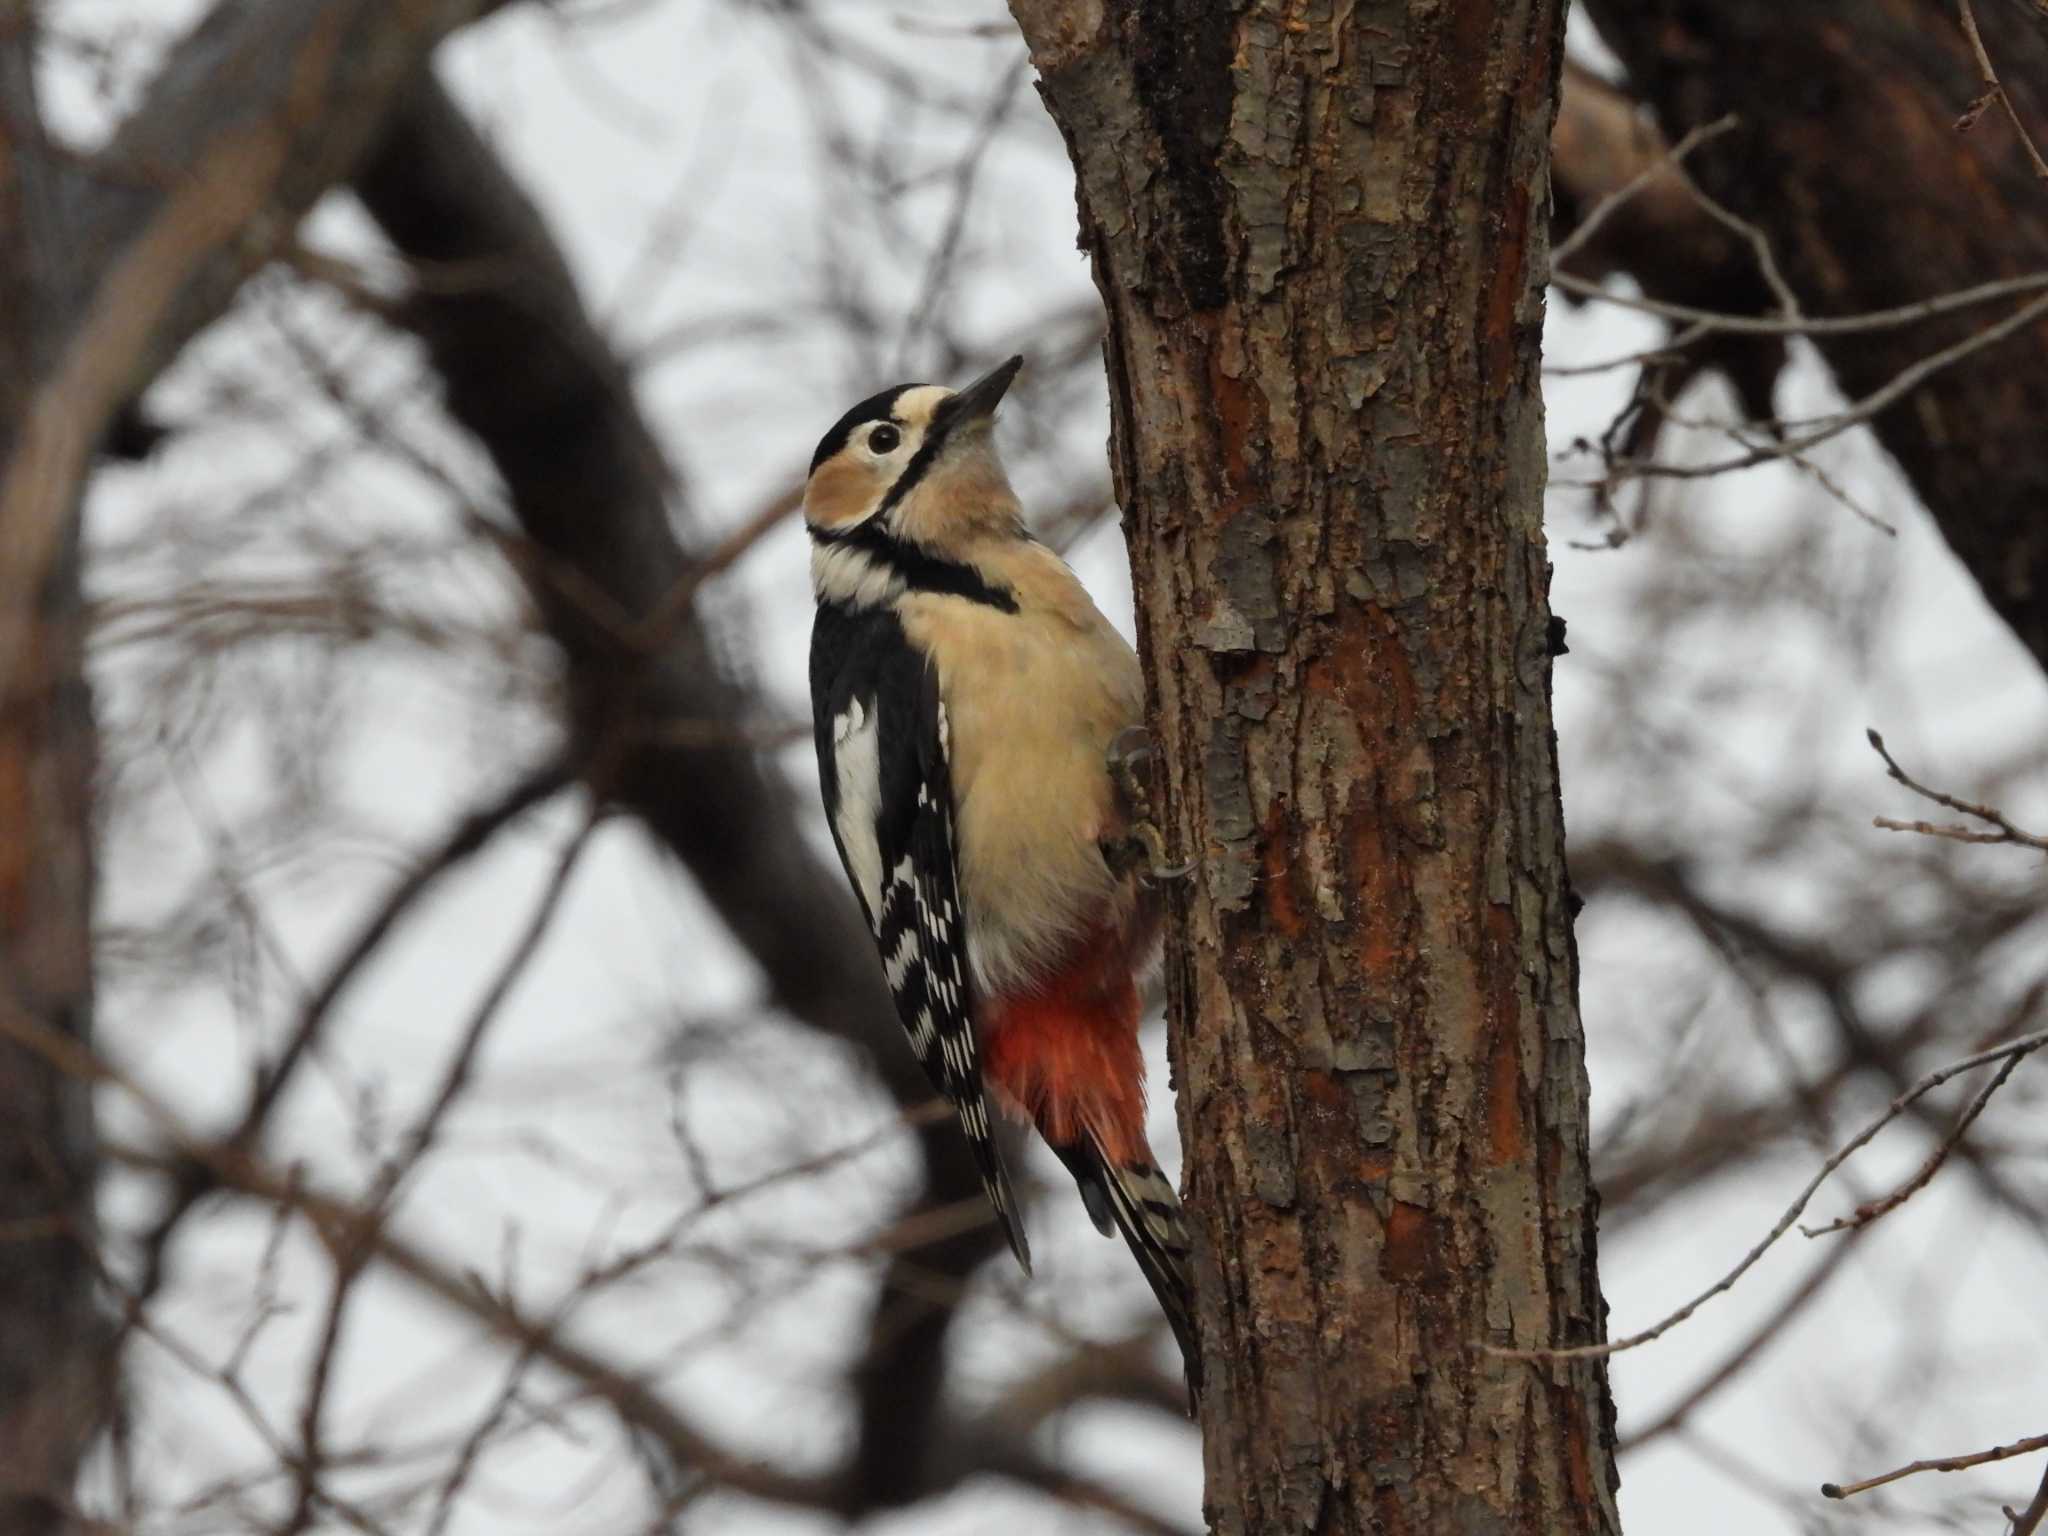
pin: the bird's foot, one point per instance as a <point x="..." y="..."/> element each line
<point x="1142" y="847"/>
<point x="1130" y="765"/>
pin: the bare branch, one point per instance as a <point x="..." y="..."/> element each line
<point x="1994" y="91"/>
<point x="2023" y="1046"/>
<point x="2027" y="1521"/>
<point x="1822" y="428"/>
<point x="592" y="491"/>
<point x="1660" y="165"/>
<point x="310" y="83"/>
<point x="1872" y="1210"/>
<point x="1896" y="318"/>
<point x="2004" y="831"/>
<point x="1938" y="1464"/>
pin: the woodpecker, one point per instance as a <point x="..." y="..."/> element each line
<point x="974" y="714"/>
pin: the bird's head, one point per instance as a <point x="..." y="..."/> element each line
<point x="915" y="463"/>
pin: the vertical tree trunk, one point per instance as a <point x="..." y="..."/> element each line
<point x="102" y="278"/>
<point x="1319" y="232"/>
<point x="56" y="1384"/>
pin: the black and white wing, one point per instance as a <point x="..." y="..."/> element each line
<point x="883" y="764"/>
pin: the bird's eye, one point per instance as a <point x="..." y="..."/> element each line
<point x="884" y="439"/>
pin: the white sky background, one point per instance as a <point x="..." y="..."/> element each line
<point x="686" y="116"/>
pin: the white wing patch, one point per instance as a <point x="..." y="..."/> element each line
<point x="856" y="757"/>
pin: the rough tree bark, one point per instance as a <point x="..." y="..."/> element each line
<point x="1320" y="237"/>
<point x="1849" y="158"/>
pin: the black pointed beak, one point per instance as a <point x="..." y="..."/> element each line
<point x="978" y="401"/>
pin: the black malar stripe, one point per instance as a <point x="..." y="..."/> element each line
<point x="918" y="568"/>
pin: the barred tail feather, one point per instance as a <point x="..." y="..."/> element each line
<point x="1136" y="1199"/>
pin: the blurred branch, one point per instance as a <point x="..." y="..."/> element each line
<point x="1830" y="965"/>
<point x="468" y="837"/>
<point x="1993" y="91"/>
<point x="56" y="1365"/>
<point x="107" y="267"/>
<point x="526" y="371"/>
<point x="1861" y="234"/>
<point x="350" y="1256"/>
<point x="255" y="115"/>
<point x="351" y="1232"/>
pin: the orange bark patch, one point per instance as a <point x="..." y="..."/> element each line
<point x="1504" y="295"/>
<point x="1277" y="861"/>
<point x="1578" y="1462"/>
<point x="16" y="802"/>
<point x="1236" y="413"/>
<point x="1323" y="1090"/>
<point x="1507" y="1134"/>
<point x="1408" y="1243"/>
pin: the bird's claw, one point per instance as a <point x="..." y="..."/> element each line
<point x="1130" y="753"/>
<point x="1142" y="848"/>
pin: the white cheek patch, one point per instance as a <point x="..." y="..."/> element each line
<point x="856" y="757"/>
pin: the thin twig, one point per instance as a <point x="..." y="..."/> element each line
<point x="1937" y="1464"/>
<point x="1601" y="211"/>
<point x="1759" y="244"/>
<point x="1872" y="1210"/>
<point x="1669" y="350"/>
<point x="2005" y="831"/>
<point x="2027" y="1521"/>
<point x="1994" y="91"/>
<point x="1768" y="1332"/>
<point x="2024" y="1045"/>
<point x="1835" y="424"/>
<point x="1809" y="325"/>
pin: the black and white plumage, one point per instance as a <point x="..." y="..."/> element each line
<point x="882" y="763"/>
<point x="967" y="692"/>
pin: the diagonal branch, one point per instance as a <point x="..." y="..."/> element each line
<point x="2011" y="1050"/>
<point x="2003" y="831"/>
<point x="527" y="372"/>
<point x="198" y="189"/>
<point x="2024" y="1447"/>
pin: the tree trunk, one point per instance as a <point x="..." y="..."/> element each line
<point x="1849" y="157"/>
<point x="104" y="274"/>
<point x="1320" y="238"/>
<point x="55" y="1372"/>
